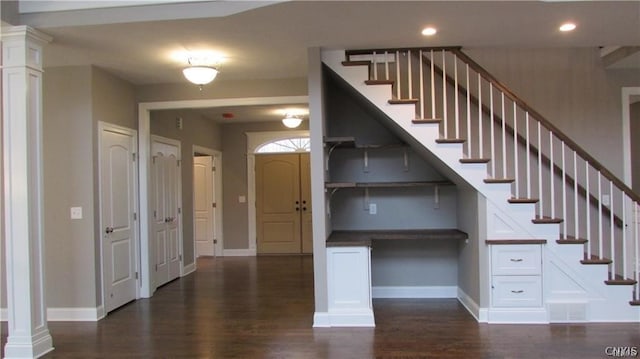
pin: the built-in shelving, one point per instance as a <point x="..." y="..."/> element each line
<point x="365" y="238"/>
<point x="386" y="184"/>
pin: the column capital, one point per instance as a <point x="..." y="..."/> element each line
<point x="22" y="46"/>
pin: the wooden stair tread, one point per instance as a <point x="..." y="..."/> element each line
<point x="379" y="82"/>
<point x="522" y="200"/>
<point x="426" y="120"/>
<point x="475" y="160"/>
<point x="571" y="241"/>
<point x="546" y="220"/>
<point x="620" y="282"/>
<point x="451" y="140"/>
<point x="356" y="63"/>
<point x="635" y="302"/>
<point x="403" y="101"/>
<point x="499" y="180"/>
<point x="595" y="260"/>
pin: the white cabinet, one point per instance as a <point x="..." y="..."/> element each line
<point x="349" y="286"/>
<point x="516" y="275"/>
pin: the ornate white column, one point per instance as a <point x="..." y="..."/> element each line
<point x="23" y="198"/>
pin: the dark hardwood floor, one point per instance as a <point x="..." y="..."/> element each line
<point x="263" y="307"/>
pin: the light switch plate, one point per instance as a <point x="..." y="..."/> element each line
<point x="373" y="208"/>
<point x="76" y="212"/>
<point x="242" y="199"/>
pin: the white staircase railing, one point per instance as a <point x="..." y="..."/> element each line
<point x="545" y="167"/>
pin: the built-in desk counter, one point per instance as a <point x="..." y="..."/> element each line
<point x="365" y="237"/>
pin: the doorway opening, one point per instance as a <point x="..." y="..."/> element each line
<point x="207" y="201"/>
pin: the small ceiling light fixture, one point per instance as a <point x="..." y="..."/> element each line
<point x="199" y="74"/>
<point x="291" y="121"/>
<point x="429" y="31"/>
<point x="569" y="26"/>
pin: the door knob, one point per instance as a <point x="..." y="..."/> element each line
<point x="297" y="209"/>
<point x="108" y="230"/>
<point x="304" y="208"/>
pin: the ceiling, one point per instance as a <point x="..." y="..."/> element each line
<point x="269" y="40"/>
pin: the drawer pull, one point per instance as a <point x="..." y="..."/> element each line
<point x="517" y="291"/>
<point x="516" y="259"/>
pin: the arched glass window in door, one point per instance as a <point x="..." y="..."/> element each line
<point x="297" y="144"/>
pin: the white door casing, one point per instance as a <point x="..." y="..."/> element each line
<point x="166" y="204"/>
<point x="204" y="205"/>
<point x="118" y="219"/>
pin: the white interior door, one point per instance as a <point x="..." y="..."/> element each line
<point x="118" y="201"/>
<point x="204" y="205"/>
<point x="166" y="209"/>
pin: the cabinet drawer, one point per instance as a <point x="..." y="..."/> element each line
<point x="517" y="291"/>
<point x="516" y="259"/>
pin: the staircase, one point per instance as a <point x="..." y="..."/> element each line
<point x="538" y="183"/>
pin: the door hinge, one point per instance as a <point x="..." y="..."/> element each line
<point x="134" y="156"/>
<point x="136" y="275"/>
<point x="178" y="163"/>
<point x="155" y="214"/>
<point x="213" y="169"/>
<point x="215" y="241"/>
<point x="179" y="210"/>
<point x="153" y="159"/>
<point x="180" y="257"/>
<point x="214" y="205"/>
<point x="156" y="267"/>
<point x="135" y="216"/>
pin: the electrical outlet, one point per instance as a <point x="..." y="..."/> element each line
<point x="76" y="212"/>
<point x="373" y="208"/>
<point x="606" y="200"/>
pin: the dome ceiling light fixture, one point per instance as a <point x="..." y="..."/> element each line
<point x="199" y="74"/>
<point x="291" y="120"/>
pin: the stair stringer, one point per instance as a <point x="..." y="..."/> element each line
<point x="575" y="292"/>
<point x="517" y="218"/>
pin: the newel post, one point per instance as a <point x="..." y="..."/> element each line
<point x="28" y="335"/>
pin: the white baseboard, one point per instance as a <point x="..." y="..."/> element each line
<point x="188" y="269"/>
<point x="347" y="318"/>
<point x="517" y="316"/>
<point x="469" y="303"/>
<point x="321" y="320"/>
<point x="239" y="253"/>
<point x="415" y="292"/>
<point x="88" y="314"/>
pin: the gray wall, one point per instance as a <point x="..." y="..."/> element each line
<point x="9" y="12"/>
<point x="196" y="130"/>
<point x="571" y="88"/>
<point x="68" y="136"/>
<point x="234" y="179"/>
<point x="635" y="145"/>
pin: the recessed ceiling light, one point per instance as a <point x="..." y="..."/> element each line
<point x="569" y="26"/>
<point x="429" y="31"/>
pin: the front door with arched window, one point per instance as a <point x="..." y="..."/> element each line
<point x="283" y="197"/>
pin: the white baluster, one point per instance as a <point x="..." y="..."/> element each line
<point x="612" y="233"/>
<point x="386" y="65"/>
<point x="480" y="136"/>
<point x="444" y="95"/>
<point x="398" y="82"/>
<point x="504" y="137"/>
<point x="624" y="235"/>
<point x="455" y="74"/>
<point x="375" y="66"/>
<point x="409" y="74"/>
<point x="433" y="87"/>
<point x="588" y="216"/>
<point x="516" y="172"/>
<point x="575" y="195"/>
<point x="551" y="175"/>
<point x="528" y="155"/>
<point x="422" y="103"/>
<point x="600" y="244"/>
<point x="540" y="194"/>
<point x="469" y="146"/>
<point x="564" y="193"/>
<point x="491" y="126"/>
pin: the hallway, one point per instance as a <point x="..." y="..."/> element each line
<point x="262" y="307"/>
